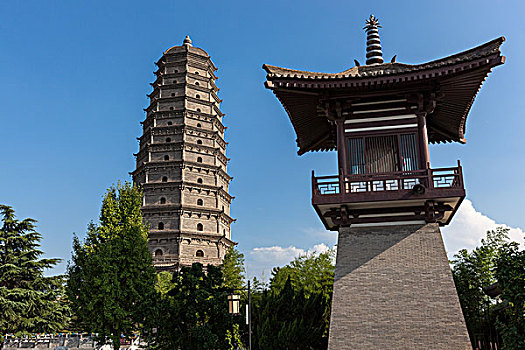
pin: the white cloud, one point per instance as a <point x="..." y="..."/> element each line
<point x="469" y="226"/>
<point x="276" y="255"/>
<point x="319" y="248"/>
<point x="260" y="261"/>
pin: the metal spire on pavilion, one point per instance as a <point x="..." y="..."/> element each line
<point x="373" y="44"/>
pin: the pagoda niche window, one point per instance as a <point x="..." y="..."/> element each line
<point x="200" y="227"/>
<point x="162" y="200"/>
<point x="164" y="179"/>
<point x="170" y="123"/>
<point x="161" y="226"/>
<point x="168" y="139"/>
<point x="199" y="159"/>
<point x="199" y="180"/>
<point x="199" y="142"/>
<point x="199" y="253"/>
<point x="166" y="157"/>
<point x="199" y="202"/>
<point x="158" y="253"/>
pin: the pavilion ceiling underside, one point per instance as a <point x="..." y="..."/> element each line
<point x="446" y="124"/>
<point x="311" y="130"/>
<point x="455" y="80"/>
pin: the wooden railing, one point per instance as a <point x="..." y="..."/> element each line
<point x="385" y="182"/>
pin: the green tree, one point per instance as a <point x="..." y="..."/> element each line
<point x="111" y="279"/>
<point x="311" y="273"/>
<point x="472" y="271"/>
<point x="233" y="269"/>
<point x="288" y="319"/>
<point x="294" y="313"/>
<point x="29" y="301"/>
<point x="510" y="273"/>
<point x="164" y="282"/>
<point x="195" y="314"/>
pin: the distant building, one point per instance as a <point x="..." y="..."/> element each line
<point x="181" y="163"/>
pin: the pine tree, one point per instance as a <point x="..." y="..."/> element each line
<point x="29" y="302"/>
<point x="111" y="279"/>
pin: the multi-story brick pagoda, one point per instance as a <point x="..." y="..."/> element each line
<point x="393" y="286"/>
<point x="181" y="163"/>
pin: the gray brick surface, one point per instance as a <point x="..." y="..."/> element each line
<point x="393" y="289"/>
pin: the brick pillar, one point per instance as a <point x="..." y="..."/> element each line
<point x="393" y="289"/>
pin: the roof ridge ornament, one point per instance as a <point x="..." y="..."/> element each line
<point x="373" y="43"/>
<point x="187" y="41"/>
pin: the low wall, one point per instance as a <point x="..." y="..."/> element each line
<point x="59" y="343"/>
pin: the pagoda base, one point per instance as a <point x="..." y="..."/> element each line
<point x="393" y="289"/>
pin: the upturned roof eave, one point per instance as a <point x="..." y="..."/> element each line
<point x="488" y="49"/>
<point x="428" y="74"/>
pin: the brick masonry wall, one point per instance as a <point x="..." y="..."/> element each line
<point x="393" y="289"/>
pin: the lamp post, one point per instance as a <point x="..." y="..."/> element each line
<point x="234" y="301"/>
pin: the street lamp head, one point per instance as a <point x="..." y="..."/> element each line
<point x="234" y="304"/>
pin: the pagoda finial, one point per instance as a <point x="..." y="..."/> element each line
<point x="373" y="44"/>
<point x="187" y="41"/>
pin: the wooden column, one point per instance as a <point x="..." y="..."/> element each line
<point x="423" y="140"/>
<point x="342" y="152"/>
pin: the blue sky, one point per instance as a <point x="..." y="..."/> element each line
<point x="75" y="74"/>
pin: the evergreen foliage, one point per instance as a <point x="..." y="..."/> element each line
<point x="194" y="315"/>
<point x="288" y="319"/>
<point x="111" y="279"/>
<point x="29" y="302"/>
<point x="495" y="260"/>
<point x="233" y="269"/>
<point x="311" y="273"/>
<point x="510" y="273"/>
<point x="294" y="313"/>
<point x="472" y="271"/>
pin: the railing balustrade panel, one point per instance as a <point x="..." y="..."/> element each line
<point x="382" y="182"/>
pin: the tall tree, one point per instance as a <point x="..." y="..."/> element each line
<point x="195" y="314"/>
<point x="288" y="319"/>
<point x="111" y="279"/>
<point x="294" y="313"/>
<point x="472" y="271"/>
<point x="233" y="269"/>
<point x="29" y="301"/>
<point x="311" y="273"/>
<point x="510" y="273"/>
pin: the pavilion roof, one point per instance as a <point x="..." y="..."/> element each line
<point x="457" y="78"/>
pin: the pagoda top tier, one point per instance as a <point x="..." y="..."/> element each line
<point x="187" y="47"/>
<point x="449" y="85"/>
